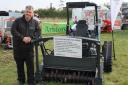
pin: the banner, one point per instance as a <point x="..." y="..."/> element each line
<point x="115" y="8"/>
<point x="53" y="27"/>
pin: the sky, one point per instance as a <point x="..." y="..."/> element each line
<point x="20" y="4"/>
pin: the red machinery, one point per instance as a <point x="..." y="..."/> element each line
<point x="106" y="26"/>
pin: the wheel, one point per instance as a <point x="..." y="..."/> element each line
<point x="107" y="54"/>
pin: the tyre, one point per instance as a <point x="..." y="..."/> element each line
<point x="107" y="54"/>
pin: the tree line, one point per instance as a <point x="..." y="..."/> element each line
<point x="53" y="13"/>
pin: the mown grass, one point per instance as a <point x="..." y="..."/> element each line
<point x="119" y="75"/>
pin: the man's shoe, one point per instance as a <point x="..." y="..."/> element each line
<point x="20" y="83"/>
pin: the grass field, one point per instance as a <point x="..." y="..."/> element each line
<point x="119" y="75"/>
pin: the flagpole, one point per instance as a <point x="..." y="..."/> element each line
<point x="113" y="45"/>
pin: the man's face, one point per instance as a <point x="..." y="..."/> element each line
<point x="28" y="14"/>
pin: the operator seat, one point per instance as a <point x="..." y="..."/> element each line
<point x="82" y="29"/>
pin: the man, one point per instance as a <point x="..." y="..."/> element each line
<point x="23" y="31"/>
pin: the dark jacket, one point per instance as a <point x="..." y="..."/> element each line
<point x="21" y="28"/>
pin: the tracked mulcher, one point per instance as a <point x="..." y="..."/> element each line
<point x="76" y="57"/>
<point x="74" y="60"/>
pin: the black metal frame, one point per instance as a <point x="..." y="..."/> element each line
<point x="81" y="5"/>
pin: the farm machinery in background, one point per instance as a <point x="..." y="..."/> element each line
<point x="125" y="18"/>
<point x="75" y="57"/>
<point x="6" y="21"/>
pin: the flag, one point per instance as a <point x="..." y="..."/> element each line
<point x="115" y="8"/>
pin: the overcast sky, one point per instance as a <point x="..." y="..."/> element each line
<point x="20" y="4"/>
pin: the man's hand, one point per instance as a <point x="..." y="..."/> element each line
<point x="27" y="40"/>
